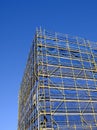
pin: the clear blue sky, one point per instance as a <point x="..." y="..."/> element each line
<point x="18" y="20"/>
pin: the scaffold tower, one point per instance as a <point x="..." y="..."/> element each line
<point x="59" y="86"/>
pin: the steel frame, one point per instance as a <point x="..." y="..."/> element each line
<point x="59" y="87"/>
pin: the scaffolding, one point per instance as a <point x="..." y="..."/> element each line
<point x="59" y="87"/>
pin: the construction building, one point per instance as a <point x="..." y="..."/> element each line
<point x="59" y="86"/>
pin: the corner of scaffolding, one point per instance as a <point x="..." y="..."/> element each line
<point x="39" y="31"/>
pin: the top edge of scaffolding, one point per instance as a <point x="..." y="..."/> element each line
<point x="43" y="31"/>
